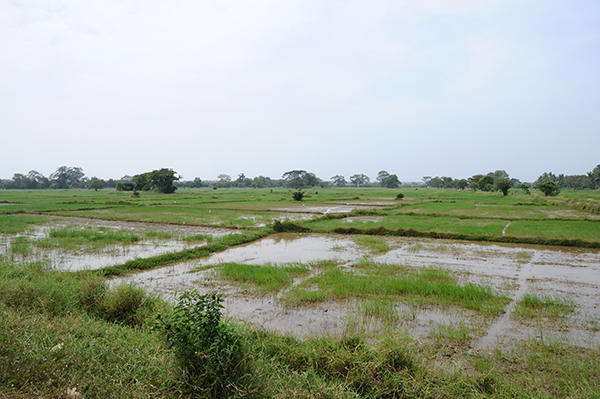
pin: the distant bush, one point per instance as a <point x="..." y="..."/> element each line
<point x="549" y="189"/>
<point x="125" y="186"/>
<point x="212" y="354"/>
<point x="399" y="196"/>
<point x="135" y="194"/>
<point x="289" y="227"/>
<point x="298" y="195"/>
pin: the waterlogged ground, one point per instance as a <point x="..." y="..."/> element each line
<point x="153" y="239"/>
<point x="565" y="274"/>
<point x="543" y="292"/>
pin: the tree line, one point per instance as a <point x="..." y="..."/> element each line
<point x="167" y="181"/>
<point x="548" y="182"/>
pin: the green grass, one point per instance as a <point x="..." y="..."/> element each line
<point x="392" y="282"/>
<point x="453" y="335"/>
<point x="21" y="246"/>
<point x="159" y="235"/>
<point x="198" y="238"/>
<point x="384" y="311"/>
<point x="87" y="238"/>
<point x="264" y="278"/>
<point x="59" y="331"/>
<point x="375" y="245"/>
<point x="534" y="306"/>
<point x="13" y="224"/>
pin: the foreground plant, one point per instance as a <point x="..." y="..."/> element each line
<point x="212" y="354"/>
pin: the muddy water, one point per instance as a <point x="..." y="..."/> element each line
<point x="111" y="255"/>
<point x="325" y="209"/>
<point x="511" y="269"/>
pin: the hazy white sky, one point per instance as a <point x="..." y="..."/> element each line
<point x="416" y="88"/>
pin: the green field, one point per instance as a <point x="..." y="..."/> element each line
<point x="72" y="333"/>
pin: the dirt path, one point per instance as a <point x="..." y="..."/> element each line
<point x="505" y="227"/>
<point x="497" y="329"/>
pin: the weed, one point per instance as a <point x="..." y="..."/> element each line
<point x="451" y="334"/>
<point x="266" y="278"/>
<point x="212" y="354"/>
<point x="198" y="237"/>
<point x="534" y="306"/>
<point x="374" y="244"/>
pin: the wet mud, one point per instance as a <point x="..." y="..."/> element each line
<point x="512" y="270"/>
<point x="85" y="259"/>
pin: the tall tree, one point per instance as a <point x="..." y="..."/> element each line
<point x="594" y="176"/>
<point x="67" y="177"/>
<point x="95" y="184"/>
<point x="503" y="184"/>
<point x="300" y="178"/>
<point x="381" y="176"/>
<point x="338" y="180"/>
<point x="359" y="180"/>
<point x="391" y="181"/>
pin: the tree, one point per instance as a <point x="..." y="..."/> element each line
<point x="37" y="180"/>
<point x="594" y="176"/>
<point x="224" y="180"/>
<point x="485" y="183"/>
<point x="359" y="180"/>
<point x="242" y="181"/>
<point x="549" y="189"/>
<point x="299" y="179"/>
<point x="95" y="184"/>
<point x="381" y="176"/>
<point x="391" y="181"/>
<point x="461" y="184"/>
<point x="525" y="188"/>
<point x="162" y="180"/>
<point x="143" y="181"/>
<point x="261" y="182"/>
<point x="338" y="180"/>
<point x="499" y="174"/>
<point x="67" y="177"/>
<point x="545" y="178"/>
<point x="503" y="184"/>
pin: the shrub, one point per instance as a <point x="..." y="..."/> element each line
<point x="298" y="195"/>
<point x="549" y="189"/>
<point x="289" y="227"/>
<point x="91" y="293"/>
<point x="212" y="354"/>
<point x="127" y="304"/>
<point x="399" y="196"/>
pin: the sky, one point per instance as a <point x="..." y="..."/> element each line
<point x="416" y="88"/>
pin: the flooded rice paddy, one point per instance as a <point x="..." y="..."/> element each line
<point x="151" y="243"/>
<point x="508" y="269"/>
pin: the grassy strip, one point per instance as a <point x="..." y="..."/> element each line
<point x="506" y="218"/>
<point x="382" y="231"/>
<point x="70" y="239"/>
<point x="534" y="306"/>
<point x="13" y="224"/>
<point x="217" y="245"/>
<point x="385" y="282"/>
<point x="198" y="237"/>
<point x="265" y="278"/>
